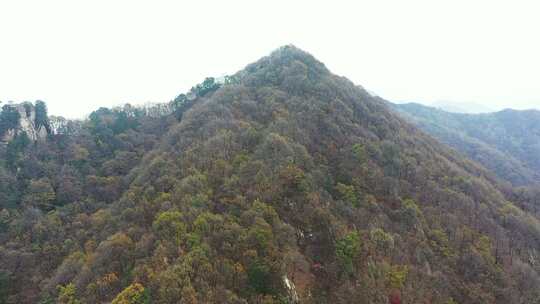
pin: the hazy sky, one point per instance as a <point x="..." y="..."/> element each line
<point x="79" y="55"/>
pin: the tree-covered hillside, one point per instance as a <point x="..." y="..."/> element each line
<point x="284" y="184"/>
<point x="506" y="142"/>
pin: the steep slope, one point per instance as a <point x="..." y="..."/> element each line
<point x="506" y="142"/>
<point x="286" y="184"/>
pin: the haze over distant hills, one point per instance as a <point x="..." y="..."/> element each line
<point x="507" y="142"/>
<point x="462" y="107"/>
<point x="454" y="107"/>
<point x="471" y="107"/>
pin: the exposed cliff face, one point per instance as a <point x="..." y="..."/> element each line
<point x="27" y="122"/>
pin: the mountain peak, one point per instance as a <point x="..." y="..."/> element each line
<point x="291" y="51"/>
<point x="286" y="60"/>
<point x="288" y="184"/>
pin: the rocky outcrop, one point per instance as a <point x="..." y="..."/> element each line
<point x="291" y="290"/>
<point x="27" y="123"/>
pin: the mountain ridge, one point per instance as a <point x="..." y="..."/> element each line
<point x="503" y="141"/>
<point x="286" y="184"/>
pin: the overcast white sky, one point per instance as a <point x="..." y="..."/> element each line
<point x="79" y="55"/>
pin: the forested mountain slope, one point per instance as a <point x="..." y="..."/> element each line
<point x="506" y="142"/>
<point x="285" y="184"/>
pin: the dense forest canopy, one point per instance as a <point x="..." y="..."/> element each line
<point x="283" y="183"/>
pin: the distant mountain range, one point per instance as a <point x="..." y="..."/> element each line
<point x="455" y="107"/>
<point x="506" y="142"/>
<point x="462" y="107"/>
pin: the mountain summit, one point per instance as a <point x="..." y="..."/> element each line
<point x="284" y="184"/>
<point x="287" y="57"/>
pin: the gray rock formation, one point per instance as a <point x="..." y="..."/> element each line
<point x="27" y="123"/>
